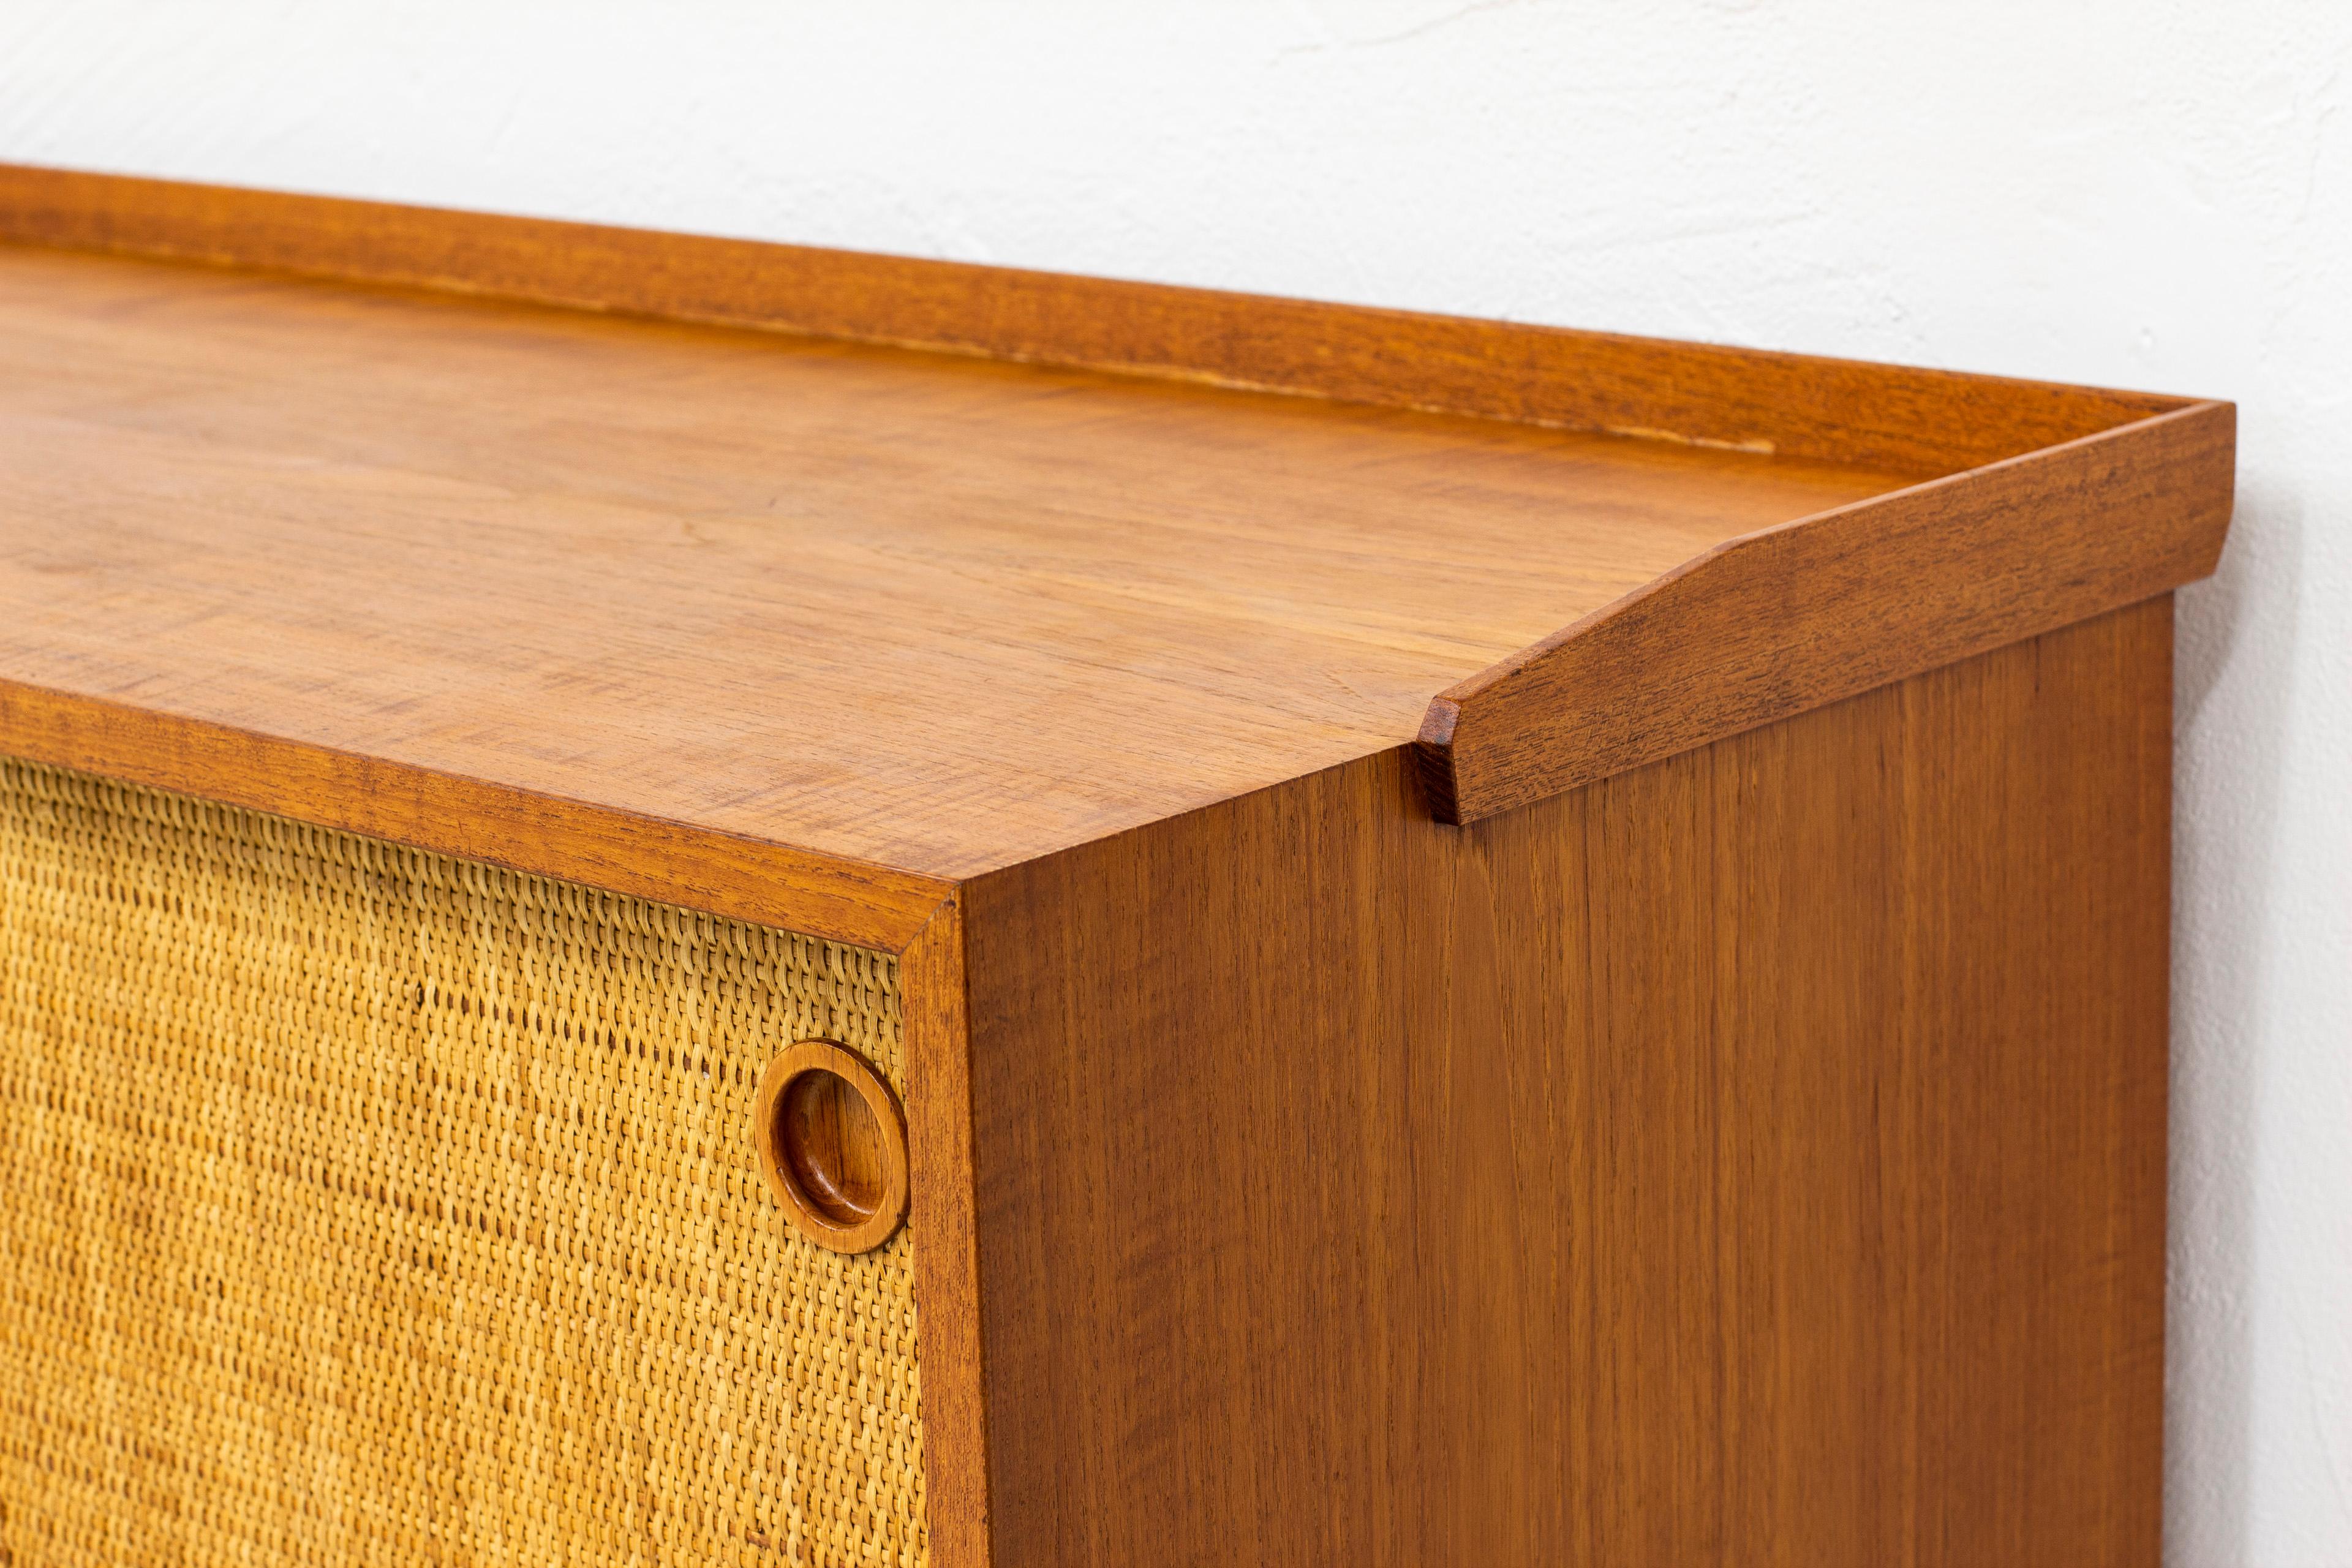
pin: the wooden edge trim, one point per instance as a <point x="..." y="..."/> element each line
<point x="946" y="1255"/>
<point x="650" y="858"/>
<point x="1798" y="615"/>
<point x="1907" y="421"/>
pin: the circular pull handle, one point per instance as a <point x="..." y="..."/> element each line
<point x="832" y="1141"/>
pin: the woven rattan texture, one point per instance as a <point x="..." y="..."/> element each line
<point x="367" y="1207"/>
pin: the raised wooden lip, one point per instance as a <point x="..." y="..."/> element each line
<point x="1789" y="619"/>
<point x="2048" y="503"/>
<point x="1895" y="417"/>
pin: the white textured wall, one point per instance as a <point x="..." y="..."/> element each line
<point x="2156" y="195"/>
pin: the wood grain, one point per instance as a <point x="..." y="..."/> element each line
<point x="1757" y="1157"/>
<point x="1743" y="1144"/>
<point x="907" y="610"/>
<point x="831" y="1136"/>
<point x="947" y="1264"/>
<point x="1810" y="612"/>
<point x="1915" y="421"/>
<point x="551" y="835"/>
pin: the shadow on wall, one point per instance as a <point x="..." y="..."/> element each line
<point x="2234" y="670"/>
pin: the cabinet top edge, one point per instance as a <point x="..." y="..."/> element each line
<point x="1043" y="560"/>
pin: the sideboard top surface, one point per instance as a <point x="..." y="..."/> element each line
<point x="800" y="585"/>
<point x="932" y="612"/>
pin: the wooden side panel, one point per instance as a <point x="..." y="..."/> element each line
<point x="1754" y="1158"/>
<point x="1902" y="420"/>
<point x="1809" y="611"/>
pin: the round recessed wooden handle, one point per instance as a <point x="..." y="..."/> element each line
<point x="832" y="1141"/>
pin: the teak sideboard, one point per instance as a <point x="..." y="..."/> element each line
<point x="672" y="900"/>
